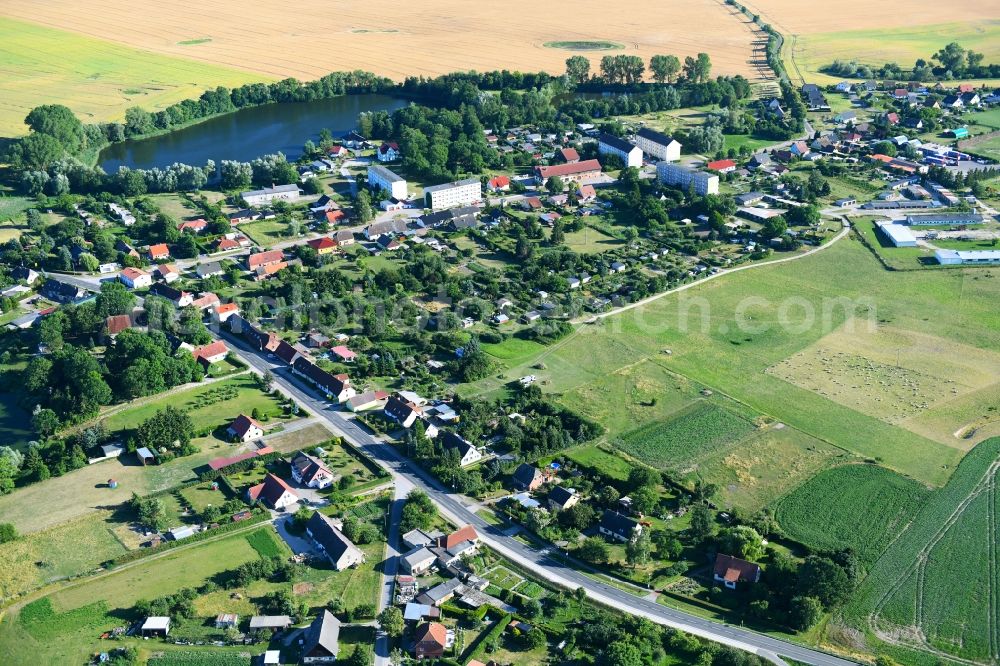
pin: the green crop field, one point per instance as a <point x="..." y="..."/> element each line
<point x="937" y="587"/>
<point x="599" y="460"/>
<point x="725" y="334"/>
<point x="857" y="506"/>
<point x="98" y="80"/>
<point x="698" y="430"/>
<point x="902" y="45"/>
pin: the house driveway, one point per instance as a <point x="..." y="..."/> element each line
<point x="299" y="544"/>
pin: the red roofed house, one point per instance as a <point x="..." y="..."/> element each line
<point x="499" y="184"/>
<point x="206" y="300"/>
<point x="343" y="353"/>
<point x="569" y="155"/>
<point x="722" y="166"/>
<point x="966" y="87"/>
<point x="892" y="118"/>
<point x="115" y="324"/>
<point x="388" y="152"/>
<point x="133" y="278"/>
<point x="430" y="640"/>
<point x="269" y="270"/>
<point x="211" y="353"/>
<point x="324" y="245"/>
<point x="168" y="272"/>
<point x="196" y="226"/>
<point x="586" y="193"/>
<point x="274" y="493"/>
<point x="226" y="244"/>
<point x="261" y="259"/>
<point x="158" y="251"/>
<point x="731" y="570"/>
<point x="467" y="533"/>
<point x="223" y="312"/>
<point x="337" y="151"/>
<point x="245" y="428"/>
<point x="335" y="216"/>
<point x="568" y="172"/>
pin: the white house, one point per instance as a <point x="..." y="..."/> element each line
<point x="469" y="453"/>
<point x="133" y="278"/>
<point x="245" y="429"/>
<point x="658" y="145"/>
<point x="608" y="144"/>
<point x="310" y="471"/>
<point x="273" y="493"/>
<point x="332" y="542"/>
<point x="388" y="152"/>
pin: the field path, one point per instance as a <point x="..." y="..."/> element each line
<point x="725" y="271"/>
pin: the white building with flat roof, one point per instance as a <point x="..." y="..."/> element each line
<point x="380" y="178"/>
<point x="968" y="257"/>
<point x="460" y="193"/>
<point x="684" y="177"/>
<point x="897" y="234"/>
<point x="269" y="194"/>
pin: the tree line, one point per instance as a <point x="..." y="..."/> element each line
<point x="949" y="63"/>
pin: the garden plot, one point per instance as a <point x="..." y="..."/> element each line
<point x="503" y="578"/>
<point x="894" y="375"/>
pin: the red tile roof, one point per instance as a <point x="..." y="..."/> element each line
<point x="159" y="250"/>
<point x="194" y="225"/>
<point x="259" y="259"/>
<point x="322" y="243"/>
<point x="467" y="533"/>
<point x="735" y="570"/>
<point x="210" y="350"/>
<point x="432" y="632"/>
<point x="118" y="323"/>
<point x="568" y="169"/>
<point x="271" y="490"/>
<point x="569" y="154"/>
<point x="719" y="165"/>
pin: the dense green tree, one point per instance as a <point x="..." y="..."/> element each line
<point x="804" y="612"/>
<point x="664" y="67"/>
<point x="577" y="69"/>
<point x="391" y="622"/>
<point x="58" y="122"/>
<point x="594" y="550"/>
<point x="8" y="533"/>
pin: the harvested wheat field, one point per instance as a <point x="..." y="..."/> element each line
<point x="803" y="17"/>
<point x="276" y="40"/>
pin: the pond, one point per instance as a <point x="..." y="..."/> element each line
<point x="248" y="133"/>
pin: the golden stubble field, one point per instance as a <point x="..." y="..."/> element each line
<point x="398" y="39"/>
<point x="803" y="17"/>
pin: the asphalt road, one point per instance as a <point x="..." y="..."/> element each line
<point x="407" y="476"/>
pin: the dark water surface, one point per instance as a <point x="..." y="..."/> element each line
<point x="247" y="133"/>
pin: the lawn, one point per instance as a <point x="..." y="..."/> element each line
<point x="863" y="507"/>
<point x="85" y="490"/>
<point x="75" y="547"/>
<point x="513" y="351"/>
<point x="355" y="586"/>
<point x="209" y="406"/>
<point x="597" y="459"/>
<point x="266" y="233"/>
<point x="64" y="627"/>
<point x="589" y="241"/>
<point x="202" y="496"/>
<point x="10" y="208"/>
<point x="97" y="79"/>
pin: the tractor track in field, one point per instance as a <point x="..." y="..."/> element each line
<point x="986" y="484"/>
